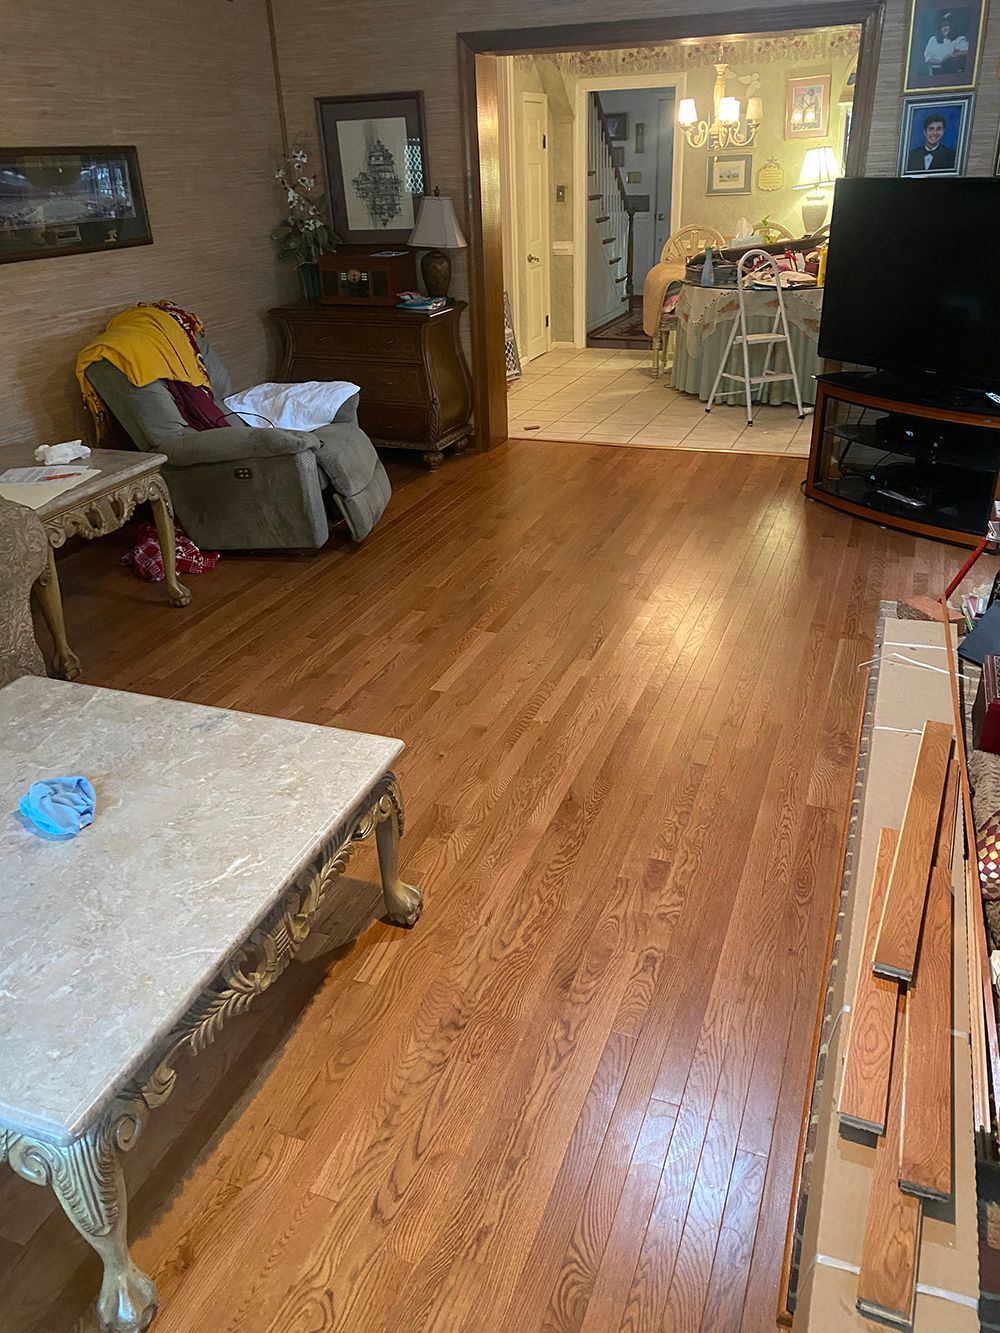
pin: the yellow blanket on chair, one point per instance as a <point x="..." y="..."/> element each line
<point x="146" y="344"/>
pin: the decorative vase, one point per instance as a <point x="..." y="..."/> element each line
<point x="309" y="281"/>
<point x="435" y="267"/>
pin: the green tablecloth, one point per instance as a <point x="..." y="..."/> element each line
<point x="704" y="320"/>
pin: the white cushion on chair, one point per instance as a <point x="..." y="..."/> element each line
<point x="305" y="406"/>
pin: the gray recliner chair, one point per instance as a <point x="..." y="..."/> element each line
<point x="252" y="487"/>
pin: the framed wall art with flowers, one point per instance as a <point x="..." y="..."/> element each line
<point x="375" y="161"/>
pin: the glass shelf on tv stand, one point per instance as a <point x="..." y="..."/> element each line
<point x="904" y="466"/>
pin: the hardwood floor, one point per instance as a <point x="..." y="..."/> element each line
<point x="568" y="1101"/>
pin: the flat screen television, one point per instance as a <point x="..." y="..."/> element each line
<point x="913" y="279"/>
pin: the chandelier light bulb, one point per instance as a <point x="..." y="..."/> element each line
<point x="729" y="110"/>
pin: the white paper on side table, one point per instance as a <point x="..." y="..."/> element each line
<point x="36" y="486"/>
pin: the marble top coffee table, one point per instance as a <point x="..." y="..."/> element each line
<point x="217" y="838"/>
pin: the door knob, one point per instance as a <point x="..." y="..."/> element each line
<point x="533" y="259"/>
<point x="659" y="217"/>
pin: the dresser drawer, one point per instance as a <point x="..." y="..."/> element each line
<point x="389" y="421"/>
<point x="388" y="383"/>
<point x="325" y="337"/>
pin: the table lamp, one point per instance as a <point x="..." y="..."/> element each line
<point x="819" y="169"/>
<point x="436" y="230"/>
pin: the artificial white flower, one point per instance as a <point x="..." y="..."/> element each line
<point x="299" y="158"/>
<point x="307" y="182"/>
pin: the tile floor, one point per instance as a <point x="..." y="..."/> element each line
<point x="606" y="397"/>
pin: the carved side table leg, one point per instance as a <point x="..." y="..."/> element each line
<point x="432" y="459"/>
<point x="88" y="1181"/>
<point x="50" y="598"/>
<point x="403" y="902"/>
<point x="177" y="594"/>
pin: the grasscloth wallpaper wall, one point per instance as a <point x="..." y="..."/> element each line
<point x="191" y="83"/>
<point x="324" y="49"/>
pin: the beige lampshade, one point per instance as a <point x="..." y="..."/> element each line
<point x="729" y="110"/>
<point x="819" y="167"/>
<point x="437" y="226"/>
<point x="687" y="112"/>
<point x="755" y="110"/>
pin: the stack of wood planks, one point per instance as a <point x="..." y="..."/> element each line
<point x="897" y="1082"/>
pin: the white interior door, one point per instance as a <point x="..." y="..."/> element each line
<point x="663" y="202"/>
<point x="533" y="233"/>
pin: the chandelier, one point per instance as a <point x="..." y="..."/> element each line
<point x="729" y="127"/>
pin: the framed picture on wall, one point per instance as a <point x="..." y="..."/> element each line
<point x="68" y="201"/>
<point x="944" y="46"/>
<point x="616" y="123"/>
<point x="375" y="160"/>
<point x="934" y="135"/>
<point x="807" y="107"/>
<point x="729" y="173"/>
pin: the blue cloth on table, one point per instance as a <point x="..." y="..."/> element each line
<point x="60" y="807"/>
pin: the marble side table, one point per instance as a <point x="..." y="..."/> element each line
<point x="96" y="507"/>
<point x="217" y="840"/>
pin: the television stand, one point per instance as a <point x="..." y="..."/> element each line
<point x="905" y="456"/>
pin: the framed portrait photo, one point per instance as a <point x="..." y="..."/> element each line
<point x="729" y="173"/>
<point x="375" y="161"/>
<point x="944" y="46"/>
<point x="616" y="123"/>
<point x="807" y="107"/>
<point x="68" y="201"/>
<point x="934" y="135"/>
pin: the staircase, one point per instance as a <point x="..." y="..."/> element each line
<point x="609" y="243"/>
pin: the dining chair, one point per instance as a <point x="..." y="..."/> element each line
<point x="678" y="248"/>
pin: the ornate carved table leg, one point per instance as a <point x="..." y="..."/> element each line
<point x="50" y="598"/>
<point x="403" y="902"/>
<point x="88" y="1182"/>
<point x="432" y="459"/>
<point x="163" y="516"/>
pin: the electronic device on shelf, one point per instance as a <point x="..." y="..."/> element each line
<point x="365" y="275"/>
<point x="913" y="284"/>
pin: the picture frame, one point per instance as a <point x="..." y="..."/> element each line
<point x="944" y="46"/>
<point x="616" y="124"/>
<point x="729" y="173"/>
<point x="618" y="157"/>
<point x="807" y="107"/>
<point x="70" y="201"/>
<point x="640" y="136"/>
<point x="375" y="161"/>
<point x="944" y="151"/>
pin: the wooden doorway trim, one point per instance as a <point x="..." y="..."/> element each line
<point x="477" y="67"/>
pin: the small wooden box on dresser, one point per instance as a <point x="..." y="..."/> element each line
<point x="416" y="392"/>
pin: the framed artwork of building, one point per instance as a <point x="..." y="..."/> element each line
<point x="375" y="161"/>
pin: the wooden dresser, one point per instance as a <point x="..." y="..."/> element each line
<point x="416" y="392"/>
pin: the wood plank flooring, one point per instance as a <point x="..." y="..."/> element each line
<point x="569" y="1100"/>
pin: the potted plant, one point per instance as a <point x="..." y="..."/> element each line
<point x="302" y="235"/>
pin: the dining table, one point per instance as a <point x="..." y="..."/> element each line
<point x="705" y="318"/>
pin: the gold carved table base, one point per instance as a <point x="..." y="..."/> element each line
<point x="96" y="518"/>
<point x="86" y="1175"/>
